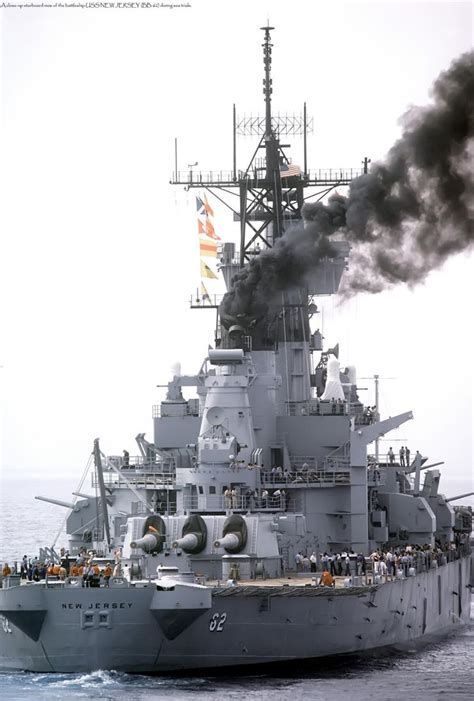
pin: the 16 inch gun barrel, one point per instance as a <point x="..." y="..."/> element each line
<point x="149" y="542"/>
<point x="190" y="542"/>
<point x="231" y="540"/>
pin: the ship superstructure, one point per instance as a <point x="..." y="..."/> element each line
<point x="268" y="461"/>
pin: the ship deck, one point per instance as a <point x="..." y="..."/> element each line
<point x="296" y="581"/>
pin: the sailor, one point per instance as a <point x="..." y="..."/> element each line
<point x="313" y="560"/>
<point x="360" y="564"/>
<point x="24" y="567"/>
<point x="405" y="564"/>
<point x="228" y="498"/>
<point x="391" y="455"/>
<point x="353" y="562"/>
<point x="250" y="499"/>
<point x="298" y="561"/>
<point x="62" y="573"/>
<point x="375" y="557"/>
<point x="107" y="574"/>
<point x="264" y="498"/>
<point x="327" y="580"/>
<point x="407" y="456"/>
<point x="6" y="570"/>
<point x="402" y="456"/>
<point x="126" y="458"/>
<point x="85" y="575"/>
<point x="346" y="564"/>
<point x="95" y="577"/>
<point x="234" y="497"/>
<point x="65" y="562"/>
<point x="324" y="562"/>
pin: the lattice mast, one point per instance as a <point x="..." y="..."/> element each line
<point x="270" y="191"/>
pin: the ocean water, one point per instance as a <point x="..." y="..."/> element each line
<point x="444" y="670"/>
<point x="26" y="524"/>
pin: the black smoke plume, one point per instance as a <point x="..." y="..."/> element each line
<point x="403" y="219"/>
<point x="274" y="270"/>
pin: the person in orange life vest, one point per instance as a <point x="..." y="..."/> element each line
<point x="327" y="580"/>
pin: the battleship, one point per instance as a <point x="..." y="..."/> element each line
<point x="276" y="459"/>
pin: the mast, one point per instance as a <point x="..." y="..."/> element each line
<point x="272" y="146"/>
<point x="103" y="496"/>
<point x="266" y="199"/>
<point x="267" y="202"/>
<point x="376" y="380"/>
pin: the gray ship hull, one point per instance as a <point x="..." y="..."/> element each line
<point x="81" y="630"/>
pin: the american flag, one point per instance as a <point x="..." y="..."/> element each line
<point x="287" y="170"/>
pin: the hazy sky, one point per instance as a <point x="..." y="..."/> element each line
<point x="99" y="252"/>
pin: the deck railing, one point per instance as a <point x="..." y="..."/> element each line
<point x="313" y="478"/>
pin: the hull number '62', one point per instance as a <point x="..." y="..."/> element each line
<point x="216" y="624"/>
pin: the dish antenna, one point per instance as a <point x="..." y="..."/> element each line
<point x="215" y="415"/>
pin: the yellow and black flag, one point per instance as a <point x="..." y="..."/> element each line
<point x="207" y="272"/>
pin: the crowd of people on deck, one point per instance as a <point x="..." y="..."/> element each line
<point x="84" y="566"/>
<point x="383" y="562"/>
<point x="412" y="559"/>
